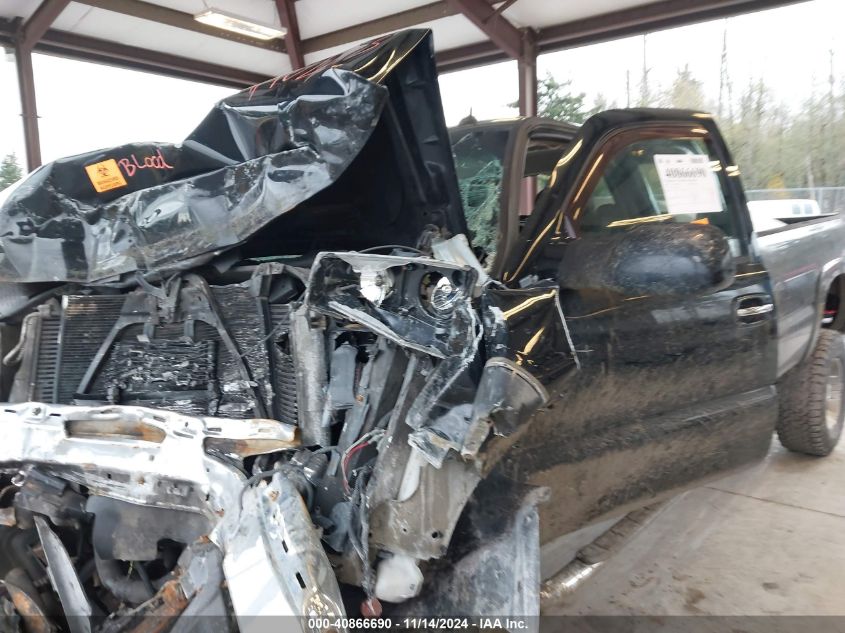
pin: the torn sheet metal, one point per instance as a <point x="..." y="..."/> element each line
<point x="268" y="527"/>
<point x="202" y="578"/>
<point x="275" y="563"/>
<point x="195" y="198"/>
<point x="501" y="577"/>
<point x="507" y="397"/>
<point x="197" y="588"/>
<point x="64" y="579"/>
<point x="420" y="522"/>
<point x="424" y="304"/>
<point x="524" y="333"/>
<point x="156" y="615"/>
<point x="144" y="456"/>
<point x="528" y="327"/>
<point x="457" y="250"/>
<point x="257" y="155"/>
<point x="414" y="505"/>
<point x="308" y="346"/>
<point x="446" y="432"/>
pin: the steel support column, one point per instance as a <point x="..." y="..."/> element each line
<point x="27" y="35"/>
<point x="293" y="43"/>
<point x="29" y="110"/>
<point x="527" y="70"/>
<point x="519" y="44"/>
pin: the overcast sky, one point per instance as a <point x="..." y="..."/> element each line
<point x="788" y="47"/>
<point x="87" y="106"/>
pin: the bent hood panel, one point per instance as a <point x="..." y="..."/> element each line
<point x="257" y="155"/>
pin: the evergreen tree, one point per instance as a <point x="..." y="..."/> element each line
<point x="556" y="100"/>
<point x="10" y="171"/>
<point x="686" y="92"/>
<point x="601" y="104"/>
<point x="646" y="96"/>
<point x="775" y="147"/>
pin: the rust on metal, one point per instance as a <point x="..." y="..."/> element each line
<point x="32" y="613"/>
<point x="249" y="447"/>
<point x="114" y="429"/>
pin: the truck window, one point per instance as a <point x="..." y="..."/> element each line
<point x="660" y="180"/>
<point x="479" y="157"/>
<point x="541" y="156"/>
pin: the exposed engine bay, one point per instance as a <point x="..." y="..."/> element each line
<point x="337" y="411"/>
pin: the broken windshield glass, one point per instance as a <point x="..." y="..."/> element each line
<point x="479" y="158"/>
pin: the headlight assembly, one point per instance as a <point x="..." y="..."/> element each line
<point x="376" y="285"/>
<point x="439" y="295"/>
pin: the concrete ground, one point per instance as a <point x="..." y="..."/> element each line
<point x="768" y="541"/>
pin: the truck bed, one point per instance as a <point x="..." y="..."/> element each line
<point x="803" y="258"/>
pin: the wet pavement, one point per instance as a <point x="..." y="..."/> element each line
<point x="768" y="541"/>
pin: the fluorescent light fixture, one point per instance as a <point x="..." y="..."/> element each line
<point x="237" y="24"/>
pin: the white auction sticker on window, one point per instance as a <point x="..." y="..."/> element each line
<point x="689" y="184"/>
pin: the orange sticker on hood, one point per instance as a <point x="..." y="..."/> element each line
<point x="105" y="175"/>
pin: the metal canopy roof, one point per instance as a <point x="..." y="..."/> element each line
<point x="162" y="36"/>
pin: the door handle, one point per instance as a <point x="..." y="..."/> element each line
<point x="750" y="311"/>
<point x="754" y="308"/>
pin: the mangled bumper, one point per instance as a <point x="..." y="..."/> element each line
<point x="271" y="556"/>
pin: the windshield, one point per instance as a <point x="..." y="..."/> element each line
<point x="479" y="159"/>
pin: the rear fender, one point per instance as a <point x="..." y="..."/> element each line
<point x="830" y="271"/>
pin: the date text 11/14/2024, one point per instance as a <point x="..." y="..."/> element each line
<point x="419" y="623"/>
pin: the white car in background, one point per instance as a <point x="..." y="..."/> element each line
<point x="770" y="214"/>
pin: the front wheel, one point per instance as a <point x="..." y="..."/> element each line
<point x="811" y="399"/>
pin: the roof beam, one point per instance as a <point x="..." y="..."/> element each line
<point x="37" y="24"/>
<point x="648" y="17"/>
<point x="409" y="18"/>
<point x="178" y="19"/>
<point x="653" y="16"/>
<point x="81" y="47"/>
<point x="493" y="24"/>
<point x="341" y="37"/>
<point x="623" y="23"/>
<point x="504" y="6"/>
<point x="293" y="43"/>
<point x="372" y="28"/>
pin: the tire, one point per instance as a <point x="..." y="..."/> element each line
<point x="812" y="399"/>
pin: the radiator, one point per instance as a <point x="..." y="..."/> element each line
<point x="199" y="375"/>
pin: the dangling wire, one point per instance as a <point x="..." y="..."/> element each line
<point x="367" y="439"/>
<point x="361" y="540"/>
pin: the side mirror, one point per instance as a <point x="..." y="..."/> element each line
<point x="650" y="259"/>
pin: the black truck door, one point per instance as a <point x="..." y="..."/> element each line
<point x="670" y="390"/>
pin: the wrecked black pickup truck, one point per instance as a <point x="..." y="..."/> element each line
<point x="297" y="365"/>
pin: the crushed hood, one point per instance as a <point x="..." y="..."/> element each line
<point x="257" y="156"/>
